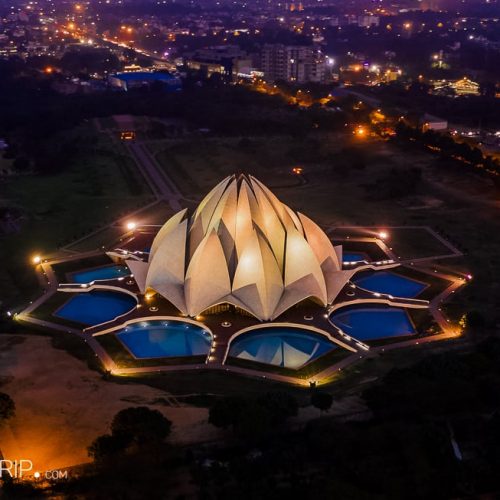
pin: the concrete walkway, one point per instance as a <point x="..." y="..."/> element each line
<point x="217" y="355"/>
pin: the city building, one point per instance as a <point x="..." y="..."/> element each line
<point x="294" y="63"/>
<point x="368" y="21"/>
<point x="229" y="61"/>
<point x="452" y="88"/>
<point x="465" y="86"/>
<point x="431" y="122"/>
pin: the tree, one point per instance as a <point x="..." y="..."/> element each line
<point x="321" y="400"/>
<point x="11" y="152"/>
<point x="255" y="423"/>
<point x="475" y="320"/>
<point x="107" y="446"/>
<point x="21" y="163"/>
<point x="141" y="425"/>
<point x="253" y="418"/>
<point x="225" y="412"/>
<point x="279" y="405"/>
<point x="7" y="407"/>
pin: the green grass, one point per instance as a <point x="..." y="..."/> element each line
<point x="411" y="243"/>
<point x="95" y="189"/>
<point x="358" y="377"/>
<point x="107" y="237"/>
<point x="415" y="243"/>
<point x="155" y="214"/>
<point x="92" y="191"/>
<point x="218" y="382"/>
<point x="110" y="236"/>
<point x="5" y="164"/>
<point x="107" y="122"/>
<point x="424" y="322"/>
<point x="197" y="164"/>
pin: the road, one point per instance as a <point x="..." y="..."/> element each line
<point x="162" y="187"/>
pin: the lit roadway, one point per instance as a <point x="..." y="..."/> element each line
<point x="154" y="57"/>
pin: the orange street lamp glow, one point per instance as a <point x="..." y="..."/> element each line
<point x="360" y="131"/>
<point x="36" y="259"/>
<point x="383" y="235"/>
<point x="131" y="225"/>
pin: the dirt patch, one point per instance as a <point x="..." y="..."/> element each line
<point x="61" y="405"/>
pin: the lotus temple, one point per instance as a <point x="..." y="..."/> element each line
<point x="242" y="283"/>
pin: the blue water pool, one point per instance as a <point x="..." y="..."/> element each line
<point x="162" y="339"/>
<point x="389" y="283"/>
<point x="93" y="308"/>
<point x="100" y="273"/>
<point x="280" y="346"/>
<point x="354" y="256"/>
<point x="367" y="323"/>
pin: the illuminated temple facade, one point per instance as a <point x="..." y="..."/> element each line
<point x="243" y="247"/>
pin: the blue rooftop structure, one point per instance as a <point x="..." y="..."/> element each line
<point x="126" y="81"/>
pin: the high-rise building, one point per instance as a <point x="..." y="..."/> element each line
<point x="293" y="63"/>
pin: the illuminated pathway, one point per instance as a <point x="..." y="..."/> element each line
<point x="165" y="189"/>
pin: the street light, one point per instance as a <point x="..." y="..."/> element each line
<point x="36" y="259"/>
<point x="383" y="235"/>
<point x="131" y="225"/>
<point x="360" y="131"/>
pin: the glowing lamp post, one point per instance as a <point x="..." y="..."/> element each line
<point x="383" y="235"/>
<point x="36" y="260"/>
<point x="131" y="225"/>
<point x="360" y="131"/>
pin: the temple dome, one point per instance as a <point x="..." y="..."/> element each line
<point x="241" y="246"/>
